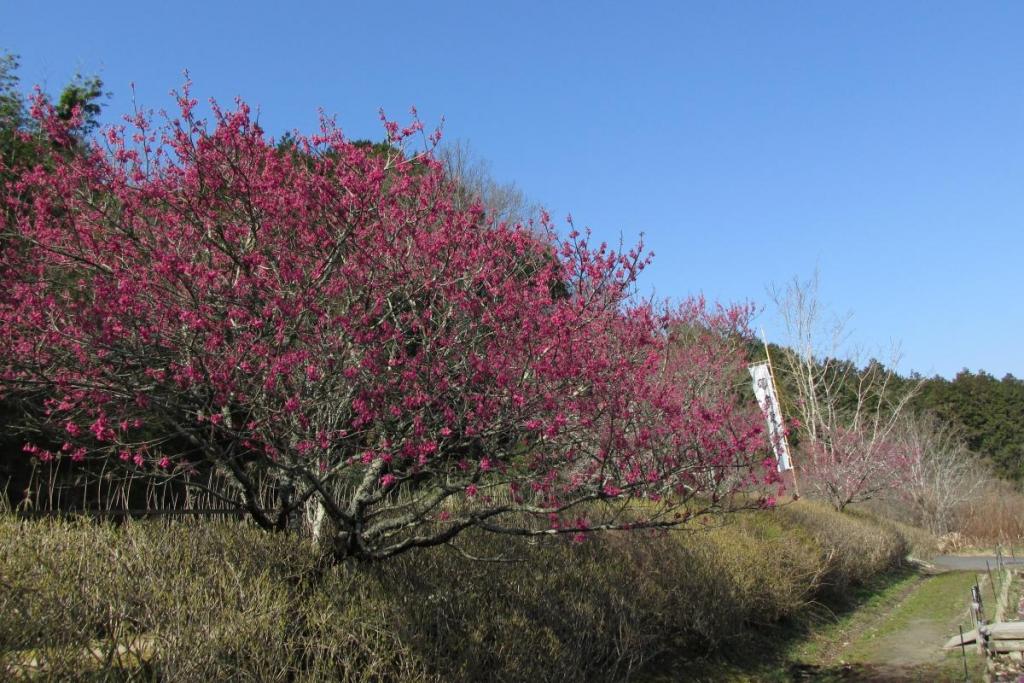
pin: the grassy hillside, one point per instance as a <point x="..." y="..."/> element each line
<point x="207" y="600"/>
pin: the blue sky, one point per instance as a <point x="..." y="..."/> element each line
<point x="881" y="143"/>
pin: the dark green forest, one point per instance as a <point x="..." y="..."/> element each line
<point x="990" y="412"/>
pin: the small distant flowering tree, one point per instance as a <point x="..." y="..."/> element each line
<point x="849" y="466"/>
<point x="322" y="325"/>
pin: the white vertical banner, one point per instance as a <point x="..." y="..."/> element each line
<point x="764" y="390"/>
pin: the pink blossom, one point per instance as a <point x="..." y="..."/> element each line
<point x="336" y="311"/>
<point x="611" y="490"/>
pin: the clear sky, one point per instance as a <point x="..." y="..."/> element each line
<point x="880" y="142"/>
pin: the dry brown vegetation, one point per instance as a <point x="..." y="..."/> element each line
<point x="211" y="600"/>
<point x="996" y="515"/>
<point x="993" y="514"/>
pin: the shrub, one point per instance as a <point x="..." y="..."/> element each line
<point x="994" y="516"/>
<point x="852" y="547"/>
<point x="209" y="600"/>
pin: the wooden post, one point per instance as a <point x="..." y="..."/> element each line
<point x="963" y="652"/>
<point x="977" y="603"/>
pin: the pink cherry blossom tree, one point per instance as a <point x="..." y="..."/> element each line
<point x="324" y="327"/>
<point x="851" y="465"/>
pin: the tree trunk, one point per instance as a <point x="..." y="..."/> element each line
<point x="324" y="532"/>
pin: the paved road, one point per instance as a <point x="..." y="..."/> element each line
<point x="972" y="563"/>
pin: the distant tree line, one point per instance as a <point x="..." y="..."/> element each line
<point x="989" y="413"/>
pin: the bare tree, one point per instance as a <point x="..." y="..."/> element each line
<point x="503" y="202"/>
<point x="943" y="474"/>
<point x="848" y="414"/>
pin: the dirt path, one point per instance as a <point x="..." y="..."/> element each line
<point x="896" y="637"/>
<point x="914" y="632"/>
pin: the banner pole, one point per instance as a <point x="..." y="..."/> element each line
<point x="778" y="395"/>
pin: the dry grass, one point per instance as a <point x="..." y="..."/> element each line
<point x="997" y="516"/>
<point x="217" y="600"/>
